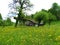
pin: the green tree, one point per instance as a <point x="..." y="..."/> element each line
<point x="51" y="18"/>
<point x="0" y="16"/>
<point x="44" y="10"/>
<point x="8" y="22"/>
<point x="23" y="5"/>
<point x="39" y="16"/>
<point x="1" y="20"/>
<point x="55" y="9"/>
<point x="44" y="16"/>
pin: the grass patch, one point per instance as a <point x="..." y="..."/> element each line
<point x="24" y="35"/>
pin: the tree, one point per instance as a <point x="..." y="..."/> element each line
<point x="44" y="10"/>
<point x="32" y="16"/>
<point x="0" y="16"/>
<point x="55" y="9"/>
<point x="21" y="5"/>
<point x="51" y="18"/>
<point x="1" y="20"/>
<point x="8" y="22"/>
<point x="44" y="16"/>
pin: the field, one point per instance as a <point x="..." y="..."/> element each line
<point x="24" y="35"/>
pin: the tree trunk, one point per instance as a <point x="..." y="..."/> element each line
<point x="16" y="22"/>
<point x="39" y="23"/>
<point x="19" y="15"/>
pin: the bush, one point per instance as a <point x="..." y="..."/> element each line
<point x="8" y="22"/>
<point x="1" y="22"/>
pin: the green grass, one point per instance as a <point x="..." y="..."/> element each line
<point x="23" y="35"/>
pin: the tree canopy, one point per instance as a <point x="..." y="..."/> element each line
<point x="44" y="16"/>
<point x="55" y="10"/>
<point x="21" y="6"/>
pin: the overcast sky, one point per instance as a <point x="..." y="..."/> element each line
<point x="38" y="5"/>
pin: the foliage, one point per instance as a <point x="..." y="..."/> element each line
<point x="1" y="20"/>
<point x="8" y="22"/>
<point x="40" y="16"/>
<point x="44" y="10"/>
<point x="21" y="7"/>
<point x="0" y="16"/>
<point x="52" y="17"/>
<point x="32" y="15"/>
<point x="55" y="9"/>
<point x="45" y="16"/>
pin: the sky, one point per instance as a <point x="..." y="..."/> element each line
<point x="43" y="4"/>
<point x="38" y="5"/>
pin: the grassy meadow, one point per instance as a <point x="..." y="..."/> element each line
<point x="27" y="35"/>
